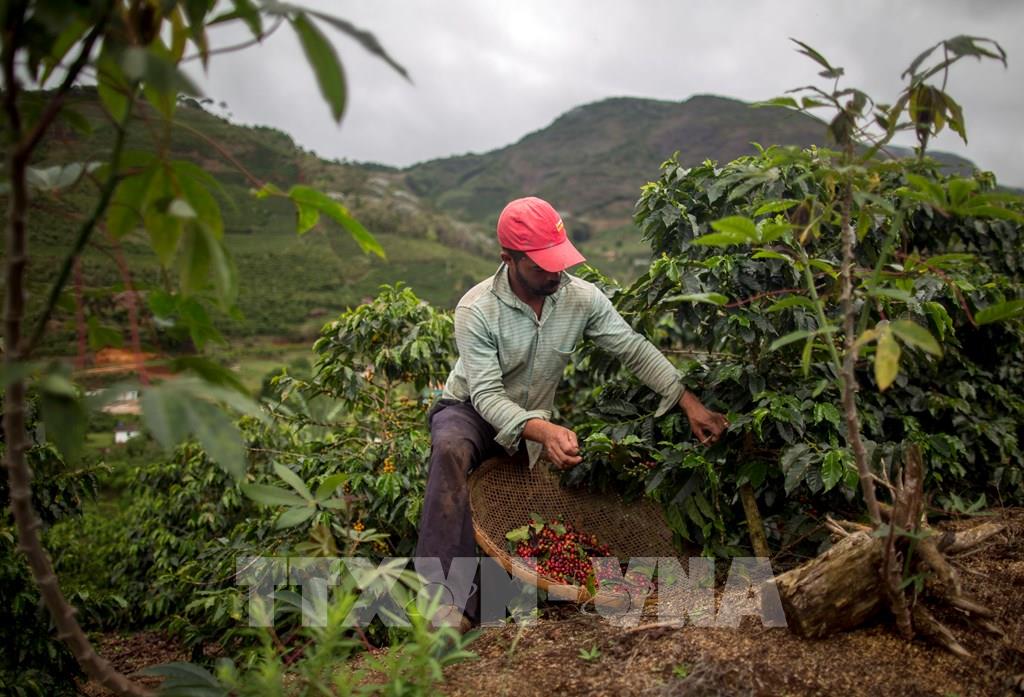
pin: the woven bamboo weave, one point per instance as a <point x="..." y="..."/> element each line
<point x="503" y="492"/>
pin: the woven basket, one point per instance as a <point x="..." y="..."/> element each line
<point x="504" y="491"/>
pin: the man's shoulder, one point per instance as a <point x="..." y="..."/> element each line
<point x="581" y="292"/>
<point x="478" y="294"/>
<point x="580" y="286"/>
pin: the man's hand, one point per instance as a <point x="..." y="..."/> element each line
<point x="707" y="425"/>
<point x="559" y="442"/>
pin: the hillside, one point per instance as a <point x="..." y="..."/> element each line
<point x="289" y="285"/>
<point x="435" y="220"/>
<point x="592" y="161"/>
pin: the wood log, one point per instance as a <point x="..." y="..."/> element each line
<point x="843" y="588"/>
<point x="964" y="540"/>
<point x="755" y="524"/>
<point x="839" y="590"/>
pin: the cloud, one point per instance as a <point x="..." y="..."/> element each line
<point x="487" y="73"/>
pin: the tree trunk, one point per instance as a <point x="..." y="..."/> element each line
<point x="839" y="590"/>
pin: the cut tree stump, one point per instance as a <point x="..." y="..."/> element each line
<point x="842" y="588"/>
<point x="834" y="592"/>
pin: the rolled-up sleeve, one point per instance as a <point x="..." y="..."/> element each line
<point x="478" y="349"/>
<point x="611" y="332"/>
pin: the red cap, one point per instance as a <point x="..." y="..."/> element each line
<point x="531" y="225"/>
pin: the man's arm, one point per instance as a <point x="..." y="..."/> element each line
<point x="612" y="333"/>
<point x="707" y="425"/>
<point x="478" y="351"/>
<point x="559" y="442"/>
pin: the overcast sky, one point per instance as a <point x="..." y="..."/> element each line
<point x="485" y="73"/>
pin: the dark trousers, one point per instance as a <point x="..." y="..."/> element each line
<point x="460" y="439"/>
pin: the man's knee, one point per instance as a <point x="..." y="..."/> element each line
<point x="454" y="452"/>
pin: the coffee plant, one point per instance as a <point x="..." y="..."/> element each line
<point x="747" y="288"/>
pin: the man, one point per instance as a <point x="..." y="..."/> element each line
<point x="515" y="333"/>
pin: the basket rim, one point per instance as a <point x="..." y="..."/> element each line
<point x="562" y="591"/>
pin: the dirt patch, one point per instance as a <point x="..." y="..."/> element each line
<point x="544" y="658"/>
<point x="752" y="660"/>
<point x="130" y="653"/>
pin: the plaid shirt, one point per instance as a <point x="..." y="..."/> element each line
<point x="510" y="361"/>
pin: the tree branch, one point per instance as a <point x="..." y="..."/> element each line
<point x="849" y="378"/>
<point x="84" y="232"/>
<point x="18" y="473"/>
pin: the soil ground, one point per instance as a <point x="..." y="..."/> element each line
<point x="545" y="657"/>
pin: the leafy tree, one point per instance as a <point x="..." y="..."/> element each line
<point x="132" y="50"/>
<point x="762" y="265"/>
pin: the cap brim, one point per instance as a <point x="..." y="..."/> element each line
<point x="557" y="258"/>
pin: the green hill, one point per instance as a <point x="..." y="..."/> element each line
<point x="435" y="220"/>
<point x="289" y="285"/>
<point x="592" y="161"/>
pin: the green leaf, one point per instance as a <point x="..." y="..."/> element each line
<point x="294" y="481"/>
<point x="225" y="275"/>
<point x="893" y="293"/>
<point x="113" y="93"/>
<point x="68" y="37"/>
<point x="776" y="206"/>
<point x="324" y="61"/>
<point x="12" y="372"/>
<point x="914" y="334"/>
<point x="338" y="504"/>
<point x="805" y="358"/>
<point x="720" y="239"/>
<point x="792" y="301"/>
<point x="794" y="463"/>
<point x="308" y="217"/>
<point x="194" y="260"/>
<point x="126" y="205"/>
<point x="196" y="192"/>
<point x="790" y="338"/>
<point x="737" y="225"/>
<point x="304" y="195"/>
<point x="365" y="38"/>
<point x="518" y="534"/>
<point x="1011" y="309"/>
<point x="815" y="56"/>
<point x="753" y="471"/>
<point x="824" y="266"/>
<point x="219" y="436"/>
<point x="294" y="516"/>
<point x="329" y="485"/>
<point x="788" y="102"/>
<point x="270" y="495"/>
<point x="833" y="468"/>
<point x="887" y="359"/>
<point x="769" y="254"/>
<point x="771" y="231"/>
<point x="164" y="234"/>
<point x="165" y="414"/>
<point x="947" y="261"/>
<point x="64" y="415"/>
<point x="710" y="298"/>
<point x="215" y="374"/>
<point x="101" y="336"/>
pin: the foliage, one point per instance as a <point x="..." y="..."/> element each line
<point x="133" y="52"/>
<point x="284" y="283"/>
<point x="380" y="365"/>
<point x="349" y="437"/>
<point x="32" y="662"/>
<point x="319" y="660"/>
<point x="746" y="286"/>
